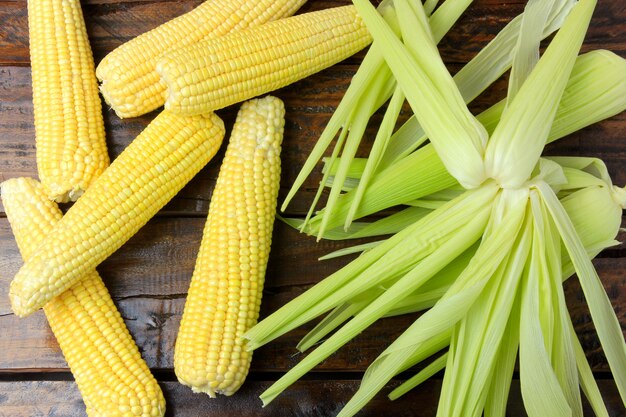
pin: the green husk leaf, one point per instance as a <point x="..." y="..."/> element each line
<point x="420" y="174"/>
<point x="458" y="137"/>
<point x="422" y="272"/>
<point x="541" y="391"/>
<point x="349" y="250"/>
<point x="601" y="77"/>
<point x="479" y="335"/>
<point x="500" y="385"/>
<point x="386" y="226"/>
<point x="373" y="70"/>
<point x="587" y="380"/>
<point x="516" y="144"/>
<point x="357" y="166"/>
<point x="367" y="72"/>
<point x="490" y="63"/>
<point x="432" y="368"/>
<point x="333" y="320"/>
<point x="325" y="179"/>
<point x="394" y="256"/>
<point x="367" y="106"/>
<point x="596" y="91"/>
<point x="429" y="6"/>
<point x="534" y="19"/>
<point x="563" y="356"/>
<point x="449" y="310"/>
<point x="380" y="144"/>
<point x="607" y="325"/>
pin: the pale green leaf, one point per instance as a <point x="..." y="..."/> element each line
<point x="541" y="391"/>
<point x="587" y="380"/>
<point x="367" y="106"/>
<point x="563" y="356"/>
<point x="422" y="173"/>
<point x="430" y="370"/>
<point x="534" y="19"/>
<point x="423" y="271"/>
<point x="607" y="325"/>
<point x="333" y="320"/>
<point x="596" y="91"/>
<point x="349" y="250"/>
<point x="516" y="144"/>
<point x="486" y="67"/>
<point x="332" y="160"/>
<point x="500" y="384"/>
<point x="445" y="314"/>
<point x="380" y="144"/>
<point x="418" y="68"/>
<point x="395" y="255"/>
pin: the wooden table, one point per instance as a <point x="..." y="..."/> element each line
<point x="148" y="277"/>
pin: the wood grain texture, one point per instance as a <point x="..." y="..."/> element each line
<point x="319" y="398"/>
<point x="148" y="277"/>
<point x="309" y="105"/>
<point x="110" y="23"/>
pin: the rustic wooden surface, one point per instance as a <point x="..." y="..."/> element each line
<point x="148" y="277"/>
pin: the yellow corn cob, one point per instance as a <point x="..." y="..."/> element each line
<point x="109" y="371"/>
<point x="150" y="171"/>
<point x="225" y="292"/>
<point x="71" y="146"/>
<point x="216" y="73"/>
<point x="130" y="83"/>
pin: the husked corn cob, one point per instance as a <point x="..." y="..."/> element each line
<point x="109" y="371"/>
<point x="130" y="83"/>
<point x="150" y="171"/>
<point x="225" y="292"/>
<point x="219" y="72"/>
<point x="71" y="146"/>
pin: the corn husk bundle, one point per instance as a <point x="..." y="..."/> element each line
<point x="491" y="230"/>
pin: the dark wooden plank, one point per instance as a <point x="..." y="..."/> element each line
<point x="111" y="23"/>
<point x="150" y="292"/>
<point x="309" y="103"/>
<point x="305" y="398"/>
<point x="150" y="289"/>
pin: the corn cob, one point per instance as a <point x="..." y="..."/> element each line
<point x="130" y="84"/>
<point x="150" y="171"/>
<point x="216" y="73"/>
<point x="71" y="146"/>
<point x="109" y="371"/>
<point x="225" y="292"/>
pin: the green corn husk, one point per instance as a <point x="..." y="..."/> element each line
<point x="374" y="74"/>
<point x="476" y="76"/>
<point x="488" y="262"/>
<point x="596" y="90"/>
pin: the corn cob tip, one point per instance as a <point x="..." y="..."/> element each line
<point x="17" y="302"/>
<point x="9" y="188"/>
<point x="60" y="194"/>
